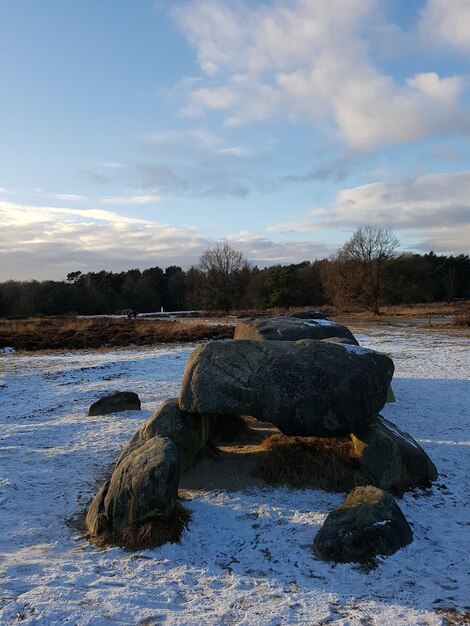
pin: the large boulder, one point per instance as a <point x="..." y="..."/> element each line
<point x="392" y="457"/>
<point x="283" y="328"/>
<point x="307" y="388"/>
<point x="368" y="523"/>
<point x="143" y="486"/>
<point x="188" y="430"/>
<point x="115" y="403"/>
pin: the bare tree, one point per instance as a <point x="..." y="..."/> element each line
<point x="226" y="272"/>
<point x="356" y="274"/>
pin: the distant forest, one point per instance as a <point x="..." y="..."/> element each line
<point x="405" y="279"/>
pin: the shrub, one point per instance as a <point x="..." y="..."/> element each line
<point x="463" y="319"/>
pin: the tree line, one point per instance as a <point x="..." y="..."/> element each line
<point x="366" y="272"/>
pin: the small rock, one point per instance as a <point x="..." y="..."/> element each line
<point x="368" y="523"/>
<point x="115" y="403"/>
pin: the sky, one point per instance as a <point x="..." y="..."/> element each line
<point x="139" y="133"/>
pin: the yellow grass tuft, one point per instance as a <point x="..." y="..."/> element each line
<point x="316" y="462"/>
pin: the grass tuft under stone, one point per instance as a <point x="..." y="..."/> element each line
<point x="316" y="462"/>
<point x="150" y="534"/>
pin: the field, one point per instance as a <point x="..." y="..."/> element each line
<point x="51" y="333"/>
<point x="109" y="331"/>
<point x="246" y="557"/>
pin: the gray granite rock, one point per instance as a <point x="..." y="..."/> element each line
<point x="304" y="388"/>
<point x="189" y="431"/>
<point x="393" y="458"/>
<point x="283" y="328"/>
<point x="368" y="523"/>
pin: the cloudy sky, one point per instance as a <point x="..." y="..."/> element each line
<point x="135" y="134"/>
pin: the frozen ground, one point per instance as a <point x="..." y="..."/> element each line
<point x="246" y="558"/>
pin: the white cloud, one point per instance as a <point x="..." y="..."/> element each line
<point x="112" y="165"/>
<point x="202" y="164"/>
<point x="309" y="60"/>
<point x="14" y="214"/>
<point x="237" y="151"/>
<point x="123" y="200"/>
<point x="67" y="197"/>
<point x="48" y="242"/>
<point x="446" y="239"/>
<point x="264" y="251"/>
<point x="437" y="199"/>
<point x="174" y="140"/>
<point x="435" y="208"/>
<point x="430" y="85"/>
<point x="447" y="22"/>
<point x="189" y="142"/>
<point x="252" y="38"/>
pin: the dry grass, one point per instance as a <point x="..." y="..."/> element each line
<point x="72" y="333"/>
<point x="150" y="534"/>
<point x="423" y="309"/>
<point x="452" y="617"/>
<point x="46" y="333"/>
<point x="463" y="319"/>
<point x="315" y="462"/>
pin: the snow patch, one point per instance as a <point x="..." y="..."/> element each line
<point x="315" y="323"/>
<point x="356" y="349"/>
<point x="247" y="557"/>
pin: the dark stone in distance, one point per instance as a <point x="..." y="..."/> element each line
<point x="285" y="328"/>
<point x="115" y="403"/>
<point x="307" y="315"/>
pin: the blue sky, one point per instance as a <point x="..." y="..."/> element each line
<point x="136" y="134"/>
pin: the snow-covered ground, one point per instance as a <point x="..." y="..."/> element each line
<point x="247" y="557"/>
